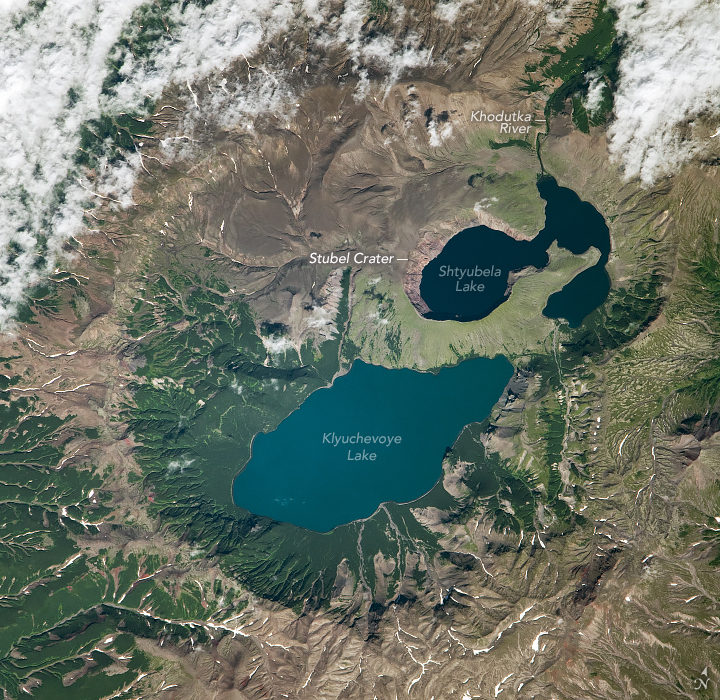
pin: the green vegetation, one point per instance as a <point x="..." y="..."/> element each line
<point x="701" y="389"/>
<point x="61" y="607"/>
<point x="512" y="197"/>
<point x="495" y="145"/>
<point x="379" y="9"/>
<point x="510" y="497"/>
<point x="514" y="329"/>
<point x="204" y="390"/>
<point x="610" y="422"/>
<point x="596" y="50"/>
<point x="111" y="138"/>
<point x="592" y="54"/>
<point x="149" y="26"/>
<point x="206" y="385"/>
<point x="47" y="584"/>
<point x="626" y="313"/>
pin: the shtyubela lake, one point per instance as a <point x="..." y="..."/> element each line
<point x="375" y="435"/>
<point x="469" y="278"/>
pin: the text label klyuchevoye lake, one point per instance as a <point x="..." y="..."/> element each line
<point x="316" y="470"/>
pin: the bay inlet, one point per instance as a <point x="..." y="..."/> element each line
<point x="469" y="278"/>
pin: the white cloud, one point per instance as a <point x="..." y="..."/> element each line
<point x="63" y="46"/>
<point x="439" y="133"/>
<point x="277" y="345"/>
<point x="179" y="465"/>
<point x="449" y="11"/>
<point x="556" y="14"/>
<point x="54" y="61"/>
<point x="320" y="317"/>
<point x="391" y="54"/>
<point x="669" y="75"/>
<point x="202" y="40"/>
<point x="595" y="93"/>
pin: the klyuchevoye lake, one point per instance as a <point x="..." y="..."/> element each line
<point x="317" y="469"/>
<point x="469" y="278"/>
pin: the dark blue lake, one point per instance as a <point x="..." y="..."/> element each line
<point x="469" y="279"/>
<point x="375" y="435"/>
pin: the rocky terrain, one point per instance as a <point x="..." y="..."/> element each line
<point x="570" y="549"/>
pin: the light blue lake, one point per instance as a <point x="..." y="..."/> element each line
<point x="375" y="435"/>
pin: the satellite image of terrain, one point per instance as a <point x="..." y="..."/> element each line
<point x="360" y="349"/>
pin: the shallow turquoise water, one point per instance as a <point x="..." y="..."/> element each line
<point x="306" y="472"/>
